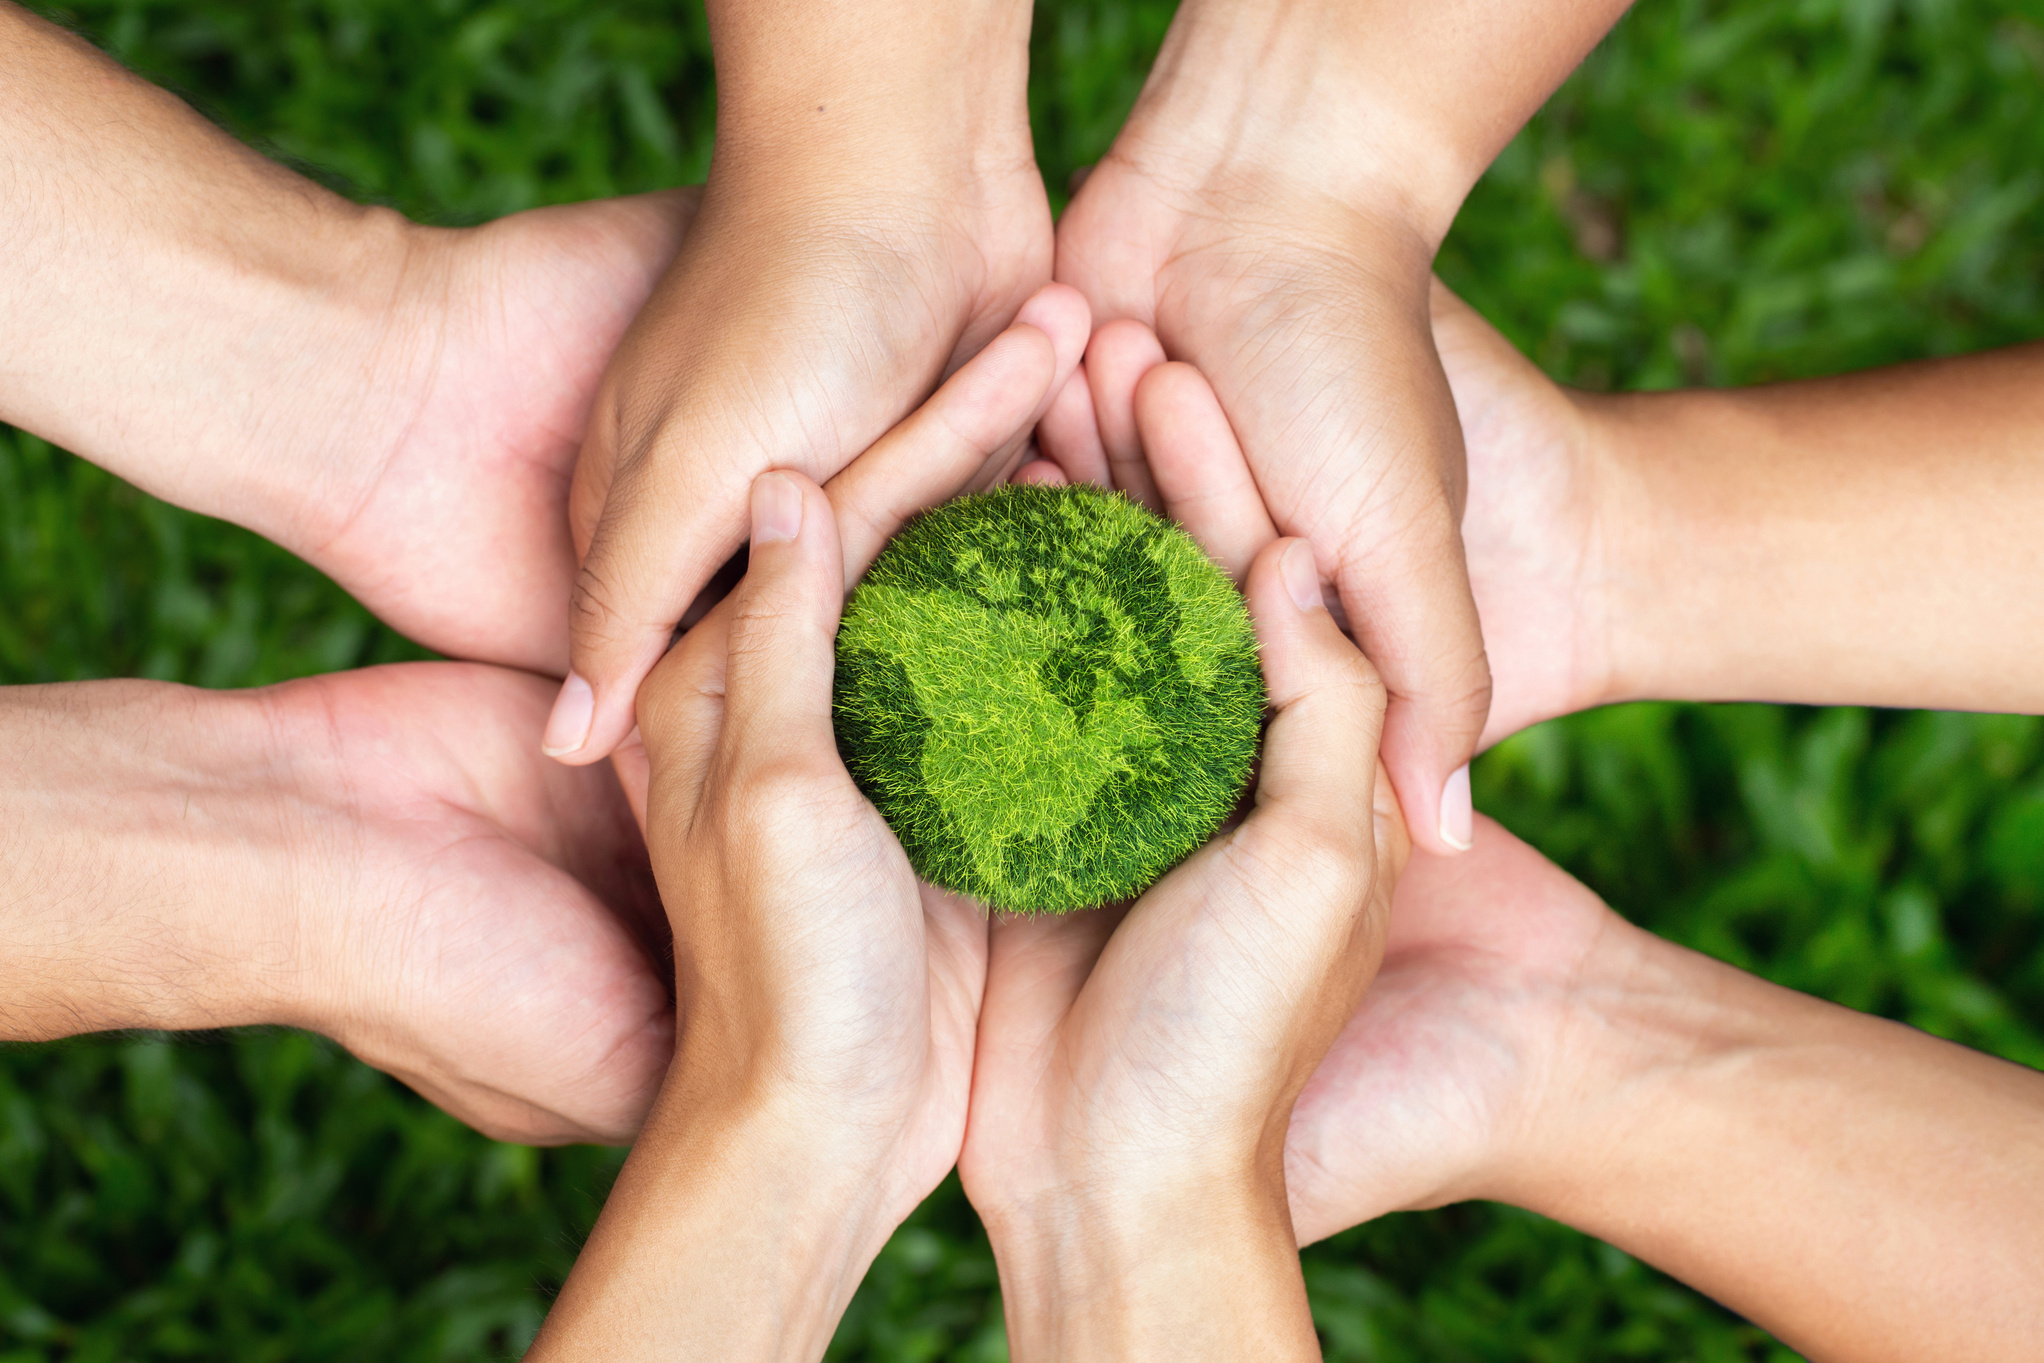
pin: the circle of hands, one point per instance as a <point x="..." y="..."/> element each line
<point x="578" y="404"/>
<point x="532" y="997"/>
<point x="648" y="899"/>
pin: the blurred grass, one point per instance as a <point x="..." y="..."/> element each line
<point x="1727" y="193"/>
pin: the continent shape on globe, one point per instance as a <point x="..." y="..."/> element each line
<point x="1051" y="694"/>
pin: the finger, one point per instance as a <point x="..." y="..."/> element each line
<point x="1039" y="473"/>
<point x="781" y="650"/>
<point x="1116" y="359"/>
<point x="1199" y="468"/>
<point x="633" y="586"/>
<point x="1320" y="751"/>
<point x="1419" y="625"/>
<point x="1069" y="434"/>
<point x="684" y="713"/>
<point x="1060" y="313"/>
<point x="934" y="453"/>
<point x="982" y="412"/>
<point x="681" y="717"/>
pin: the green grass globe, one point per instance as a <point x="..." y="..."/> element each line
<point x="1051" y="695"/>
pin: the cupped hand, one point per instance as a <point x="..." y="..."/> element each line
<point x="806" y="315"/>
<point x="795" y="789"/>
<point x="443" y="504"/>
<point x="1136" y="1071"/>
<point x="1309" y="317"/>
<point x="983" y="418"/>
<point x="470" y="917"/>
<point x="1433" y="1093"/>
<point x="819" y="1091"/>
<point x="813" y="967"/>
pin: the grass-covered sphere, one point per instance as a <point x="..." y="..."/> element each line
<point x="1051" y="694"/>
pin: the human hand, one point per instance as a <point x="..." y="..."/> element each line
<point x="981" y="417"/>
<point x="823" y="1093"/>
<point x="1136" y="1071"/>
<point x="1271" y="209"/>
<point x="1452" y="1042"/>
<point x="1544" y="544"/>
<point x="1856" y="1187"/>
<point x="1307" y="311"/>
<point x="400" y="405"/>
<point x="381" y="856"/>
<point x="1440" y="1087"/>
<point x="443" y="504"/>
<point x="873" y="217"/>
<point x="818" y="1092"/>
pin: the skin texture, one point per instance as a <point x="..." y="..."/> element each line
<point x="381" y="856"/>
<point x="1744" y="544"/>
<point x="401" y="406"/>
<point x="873" y="217"/>
<point x="818" y="1092"/>
<point x="1270" y="212"/>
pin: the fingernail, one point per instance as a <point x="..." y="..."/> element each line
<point x="776" y="509"/>
<point x="1301" y="575"/>
<point x="1458" y="816"/>
<point x="567" y="728"/>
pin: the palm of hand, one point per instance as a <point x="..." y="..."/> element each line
<point x="481" y="917"/>
<point x="459" y="536"/>
<point x="1142" y="1030"/>
<point x="1435" y="1082"/>
<point x="1531" y="533"/>
<point x="878" y="976"/>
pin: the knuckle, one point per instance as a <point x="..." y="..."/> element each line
<point x="592" y="609"/>
<point x="767" y="796"/>
<point x="1354" y="682"/>
<point x="669" y="693"/>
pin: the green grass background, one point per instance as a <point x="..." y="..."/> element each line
<point x="1728" y="192"/>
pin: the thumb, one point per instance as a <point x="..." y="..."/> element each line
<point x="781" y="653"/>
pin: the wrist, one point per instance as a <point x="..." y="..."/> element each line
<point x="367" y="293"/>
<point x="1675" y="624"/>
<point x="1266" y="103"/>
<point x="1645" y="1018"/>
<point x="252" y="303"/>
<point x="1127" y="1268"/>
<point x="729" y="1196"/>
<point x="148" y="822"/>
<point x="935" y="87"/>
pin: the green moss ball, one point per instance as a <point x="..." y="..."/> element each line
<point x="1051" y="694"/>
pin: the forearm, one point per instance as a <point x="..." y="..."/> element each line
<point x="1201" y="1268"/>
<point x="1387" y="106"/>
<point x="739" y="1230"/>
<point x="1870" y="539"/>
<point x="179" y="309"/>
<point x="1861" y="1189"/>
<point x="137" y="824"/>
